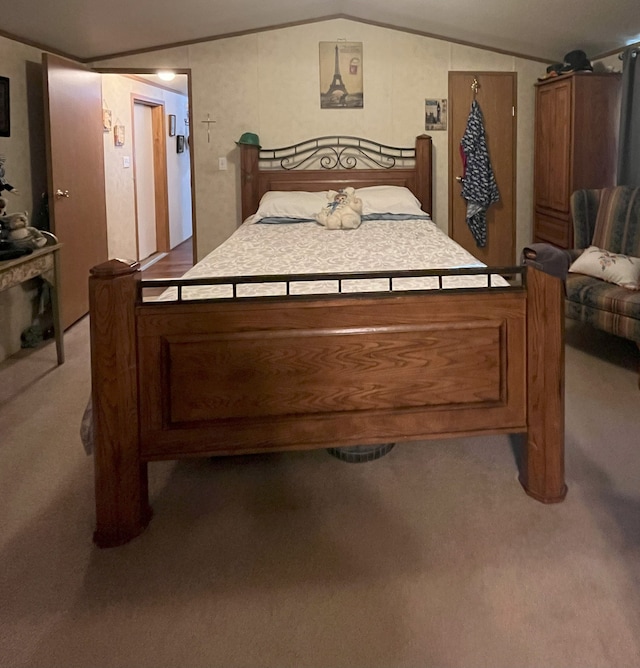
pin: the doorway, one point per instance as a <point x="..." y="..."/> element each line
<point x="150" y="178"/>
<point x="150" y="194"/>
<point x="89" y="134"/>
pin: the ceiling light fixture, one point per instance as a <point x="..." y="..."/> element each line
<point x="167" y="75"/>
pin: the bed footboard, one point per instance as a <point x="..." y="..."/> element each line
<point x="174" y="380"/>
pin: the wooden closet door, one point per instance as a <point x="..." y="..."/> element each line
<point x="497" y="95"/>
<point x="553" y="147"/>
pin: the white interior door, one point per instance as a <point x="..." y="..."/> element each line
<point x="145" y="181"/>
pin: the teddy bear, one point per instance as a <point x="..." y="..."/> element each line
<point x="15" y="228"/>
<point x="343" y="211"/>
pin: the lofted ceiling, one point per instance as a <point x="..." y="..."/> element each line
<point x="546" y="29"/>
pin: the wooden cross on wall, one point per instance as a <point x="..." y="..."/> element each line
<point x="208" y="122"/>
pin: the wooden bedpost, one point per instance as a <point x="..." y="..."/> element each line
<point x="249" y="155"/>
<point x="542" y="474"/>
<point x="121" y="490"/>
<point x="424" y="159"/>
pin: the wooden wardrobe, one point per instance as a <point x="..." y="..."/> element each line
<point x="576" y="139"/>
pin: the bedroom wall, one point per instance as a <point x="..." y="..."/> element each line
<point x="608" y="64"/>
<point x="119" y="180"/>
<point x="25" y="170"/>
<point x="268" y="83"/>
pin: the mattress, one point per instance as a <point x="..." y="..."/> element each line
<point x="308" y="248"/>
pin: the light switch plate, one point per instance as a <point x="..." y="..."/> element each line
<point x="222" y="163"/>
<point x="126" y="161"/>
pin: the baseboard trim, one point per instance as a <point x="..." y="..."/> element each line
<point x="152" y="260"/>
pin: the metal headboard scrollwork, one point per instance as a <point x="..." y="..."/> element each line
<point x="331" y="163"/>
<point x="337" y="152"/>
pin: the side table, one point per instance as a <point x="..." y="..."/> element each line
<point x="42" y="262"/>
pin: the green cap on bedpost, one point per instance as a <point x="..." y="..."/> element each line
<point x="249" y="138"/>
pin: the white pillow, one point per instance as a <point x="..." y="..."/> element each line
<point x="388" y="199"/>
<point x="623" y="270"/>
<point x="297" y="204"/>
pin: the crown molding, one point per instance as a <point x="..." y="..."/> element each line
<point x="622" y="49"/>
<point x="330" y="17"/>
<point x="40" y="47"/>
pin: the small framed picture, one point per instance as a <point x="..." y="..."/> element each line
<point x="172" y="125"/>
<point x="341" y="79"/>
<point x="5" y="111"/>
<point x="435" y="114"/>
<point x="107" y="120"/>
<point x="118" y="135"/>
<point x="180" y="143"/>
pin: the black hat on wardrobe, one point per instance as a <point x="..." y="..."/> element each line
<point x="576" y="61"/>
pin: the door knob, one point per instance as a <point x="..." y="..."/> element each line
<point x="61" y="193"/>
<point x="458" y="179"/>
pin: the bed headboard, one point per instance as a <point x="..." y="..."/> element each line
<point x="331" y="163"/>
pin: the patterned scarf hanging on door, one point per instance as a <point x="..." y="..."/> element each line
<point x="479" y="186"/>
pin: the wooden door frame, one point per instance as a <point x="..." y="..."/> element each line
<point x="161" y="186"/>
<point x="454" y="146"/>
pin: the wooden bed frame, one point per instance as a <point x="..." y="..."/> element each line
<point x="245" y="375"/>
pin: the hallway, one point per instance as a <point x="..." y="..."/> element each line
<point x="175" y="263"/>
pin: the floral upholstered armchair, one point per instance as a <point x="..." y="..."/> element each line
<point x="603" y="281"/>
<point x="602" y="272"/>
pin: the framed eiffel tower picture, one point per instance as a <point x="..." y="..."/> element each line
<point x="341" y="75"/>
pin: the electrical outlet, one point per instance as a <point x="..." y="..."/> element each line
<point x="126" y="161"/>
<point x="222" y="163"/>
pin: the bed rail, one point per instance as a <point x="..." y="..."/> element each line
<point x="516" y="274"/>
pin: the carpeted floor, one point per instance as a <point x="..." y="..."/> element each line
<point x="432" y="556"/>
